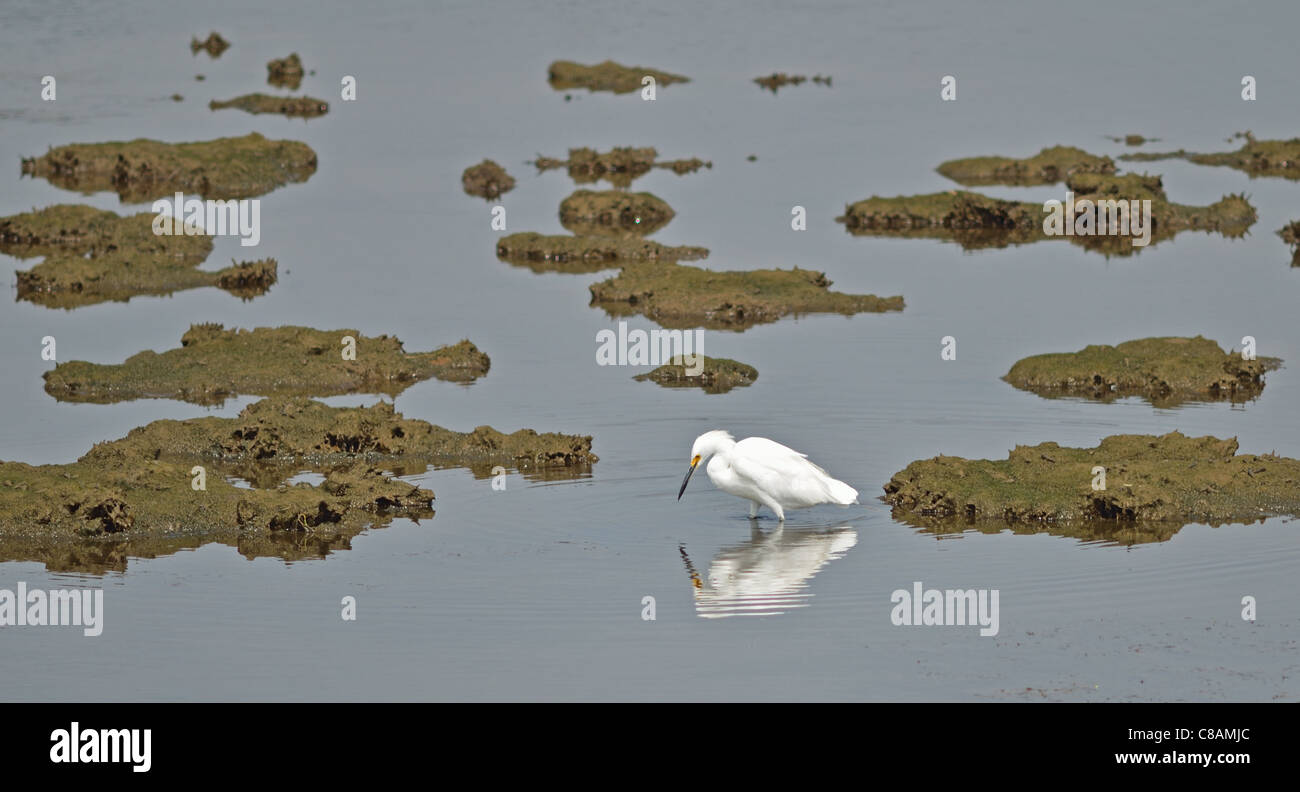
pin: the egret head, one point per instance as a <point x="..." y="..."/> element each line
<point x="705" y="446"/>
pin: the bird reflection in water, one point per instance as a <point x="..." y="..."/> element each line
<point x="767" y="575"/>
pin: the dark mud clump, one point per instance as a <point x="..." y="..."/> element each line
<point x="1049" y="166"/>
<point x="582" y="254"/>
<point x="214" y="44"/>
<point x="678" y="296"/>
<point x="614" y="213"/>
<point x="486" y="180"/>
<point x="94" y="256"/>
<point x="607" y="76"/>
<point x="292" y="106"/>
<point x="978" y="221"/>
<point x="1290" y="234"/>
<point x="285" y="72"/>
<point x="1255" y="157"/>
<point x="1165" y="371"/>
<point x="620" y="166"/>
<point x="136" y="496"/>
<point x="778" y="80"/>
<point x="144" y="170"/>
<point x="213" y="364"/>
<point x="1170" y="478"/>
<point x="717" y="375"/>
<point x="1133" y="140"/>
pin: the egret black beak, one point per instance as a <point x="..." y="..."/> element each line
<point x="687" y="480"/>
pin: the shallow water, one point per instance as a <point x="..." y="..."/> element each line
<point x="536" y="592"/>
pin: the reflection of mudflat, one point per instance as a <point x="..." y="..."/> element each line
<point x="767" y="575"/>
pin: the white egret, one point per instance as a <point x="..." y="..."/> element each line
<point x="765" y="473"/>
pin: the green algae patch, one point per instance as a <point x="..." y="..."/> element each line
<point x="144" y="170"/>
<point x="213" y="364"/>
<point x="584" y="254"/>
<point x="141" y="496"/>
<point x="285" y="72"/>
<point x="620" y="166"/>
<point x="678" y="296"/>
<point x="1255" y="157"/>
<point x="712" y="375"/>
<point x="607" y="76"/>
<point x="778" y="80"/>
<point x="1049" y="166"/>
<point x="1165" y="371"/>
<point x="258" y="103"/>
<point x="486" y="180"/>
<point x="614" y="212"/>
<point x="975" y="221"/>
<point x="1170" y="478"/>
<point x="94" y="256"/>
<point x="214" y="44"/>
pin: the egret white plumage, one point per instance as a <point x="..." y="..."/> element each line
<point x="765" y="473"/>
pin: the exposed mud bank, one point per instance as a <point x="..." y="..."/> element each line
<point x="486" y="180"/>
<point x="213" y="364"/>
<point x="614" y="213"/>
<point x="582" y="254"/>
<point x="94" y="256"/>
<point x="292" y="106"/>
<point x="717" y="375"/>
<point x="144" y="170"/>
<point x="976" y="221"/>
<point x="1049" y="166"/>
<point x="285" y="72"/>
<point x="778" y="80"/>
<point x="1255" y="157"/>
<point x="1170" y="478"/>
<point x="678" y="296"/>
<point x="606" y="76"/>
<point x="214" y="44"/>
<point x="136" y="496"/>
<point x="619" y="166"/>
<point x="1165" y="371"/>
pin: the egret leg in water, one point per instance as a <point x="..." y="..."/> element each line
<point x="765" y="473"/>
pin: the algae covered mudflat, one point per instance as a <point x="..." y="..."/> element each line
<point x="614" y="212"/>
<point x="213" y="364"/>
<point x="1167" y="478"/>
<point x="174" y="484"/>
<point x="712" y="375"/>
<point x="1049" y="166"/>
<point x="583" y="254"/>
<point x="619" y="166"/>
<point x="93" y="256"/>
<point x="606" y="76"/>
<point x="679" y="296"/>
<point x="486" y="180"/>
<point x="1166" y="371"/>
<point x="142" y="170"/>
<point x="1280" y="158"/>
<point x="258" y="103"/>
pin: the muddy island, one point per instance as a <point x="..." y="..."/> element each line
<point x="486" y="180"/>
<point x="717" y="375"/>
<point x="1165" y="371"/>
<point x="1128" y="478"/>
<point x="291" y="106"/>
<point x="679" y="296"/>
<point x="607" y="76"/>
<point x="614" y="212"/>
<point x="213" y="364"/>
<point x="143" y="170"/>
<point x="176" y="484"/>
<point x="620" y="166"/>
<point x="94" y="256"/>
